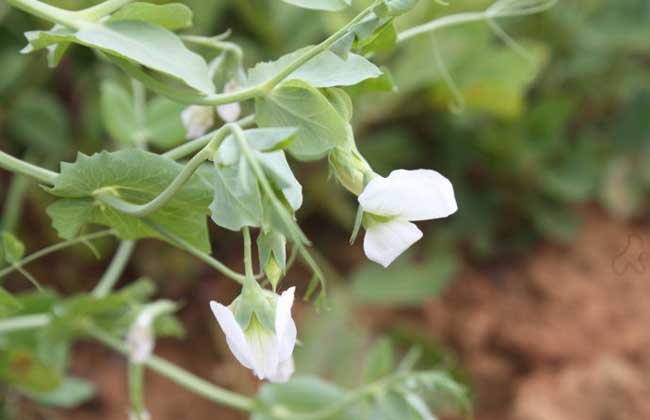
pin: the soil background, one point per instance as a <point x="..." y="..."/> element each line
<point x="562" y="334"/>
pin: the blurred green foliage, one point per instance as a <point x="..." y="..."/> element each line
<point x="526" y="135"/>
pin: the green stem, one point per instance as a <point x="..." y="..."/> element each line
<point x="54" y="248"/>
<point x="11" y="212"/>
<point x="198" y="143"/>
<point x="298" y="236"/>
<point x="115" y="269"/>
<point x="181" y="243"/>
<point x="439" y="23"/>
<point x="47" y="12"/>
<point x="136" y="386"/>
<point x="97" y="12"/>
<point x="182" y="377"/>
<point x="24" y="323"/>
<point x="248" y="259"/>
<point x="13" y="164"/>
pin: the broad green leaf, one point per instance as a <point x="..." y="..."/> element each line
<point x="341" y="101"/>
<point x="260" y="139"/>
<point x="237" y="198"/>
<point x="140" y="42"/>
<point x="137" y="177"/>
<point x="23" y="369"/>
<point x="325" y="70"/>
<point x="328" y="5"/>
<point x="169" y="16"/>
<point x="164" y="124"/>
<point x="380" y="361"/>
<point x="280" y="174"/>
<point x="72" y="392"/>
<point x="404" y="284"/>
<point x="394" y="7"/>
<point x="39" y="120"/>
<point x="297" y="104"/>
<point x="118" y="113"/>
<point x="301" y="395"/>
<point x="8" y="304"/>
<point x="12" y="250"/>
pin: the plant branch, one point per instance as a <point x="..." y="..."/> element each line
<point x="98" y="11"/>
<point x="198" y="143"/>
<point x="208" y="259"/>
<point x="500" y="8"/>
<point x="56" y="247"/>
<point x="47" y="12"/>
<point x="182" y="377"/>
<point x="115" y="269"/>
<point x="19" y="166"/>
<point x="20" y="323"/>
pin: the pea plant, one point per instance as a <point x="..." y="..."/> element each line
<point x="233" y="171"/>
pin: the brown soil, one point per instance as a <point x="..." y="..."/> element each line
<point x="561" y="335"/>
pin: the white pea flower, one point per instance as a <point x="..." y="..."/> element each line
<point x="140" y="340"/>
<point x="197" y="120"/>
<point x="143" y="415"/>
<point x="392" y="203"/>
<point x="267" y="353"/>
<point x="230" y="112"/>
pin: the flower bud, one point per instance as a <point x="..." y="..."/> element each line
<point x="140" y="340"/>
<point x="197" y="120"/>
<point x="350" y="169"/>
<point x="230" y="112"/>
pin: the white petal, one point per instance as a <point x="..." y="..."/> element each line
<point x="234" y="334"/>
<point x="263" y="345"/>
<point x="197" y="120"/>
<point x="285" y="327"/>
<point x="421" y="194"/>
<point x="229" y="112"/>
<point x="140" y="339"/>
<point x="284" y="372"/>
<point x="386" y="241"/>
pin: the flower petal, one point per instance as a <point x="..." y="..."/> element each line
<point x="421" y="194"/>
<point x="284" y="372"/>
<point x="229" y="112"/>
<point x="197" y="120"/>
<point x="386" y="241"/>
<point x="234" y="334"/>
<point x="263" y="345"/>
<point x="285" y="327"/>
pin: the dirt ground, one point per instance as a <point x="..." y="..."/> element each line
<point x="563" y="334"/>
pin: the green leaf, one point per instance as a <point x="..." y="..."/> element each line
<point x="237" y="197"/>
<point x="301" y="395"/>
<point x="260" y="139"/>
<point x="405" y="283"/>
<point x="140" y="42"/>
<point x="13" y="249"/>
<point x="327" y="5"/>
<point x="169" y="16"/>
<point x="325" y="70"/>
<point x="164" y="124"/>
<point x="118" y="112"/>
<point x="394" y="7"/>
<point x="341" y="101"/>
<point x="8" y="304"/>
<point x="72" y="392"/>
<point x="39" y="120"/>
<point x="137" y="177"/>
<point x="380" y="361"/>
<point x="297" y="104"/>
<point x="23" y="369"/>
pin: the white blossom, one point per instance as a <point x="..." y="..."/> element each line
<point x="140" y="340"/>
<point x="394" y="202"/>
<point x="197" y="120"/>
<point x="230" y="112"/>
<point x="267" y="353"/>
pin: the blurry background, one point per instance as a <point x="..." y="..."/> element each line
<point x="535" y="294"/>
